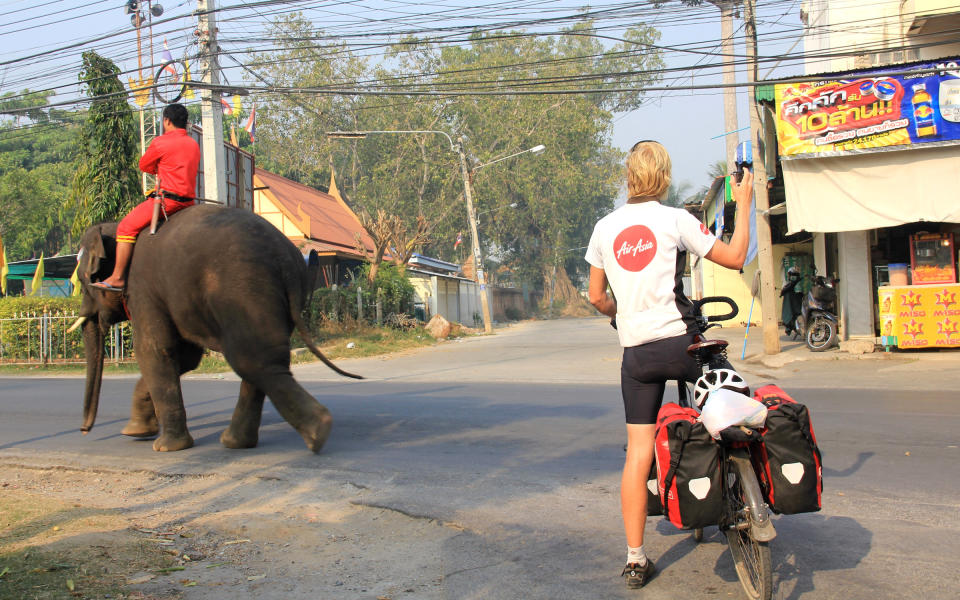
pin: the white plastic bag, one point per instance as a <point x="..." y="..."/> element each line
<point x="726" y="408"/>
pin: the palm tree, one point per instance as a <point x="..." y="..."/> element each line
<point x="677" y="195"/>
<point x="717" y="168"/>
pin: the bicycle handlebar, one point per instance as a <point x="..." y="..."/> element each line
<point x="734" y="310"/>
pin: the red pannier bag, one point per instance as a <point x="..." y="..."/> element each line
<point x="787" y="460"/>
<point x="688" y="469"/>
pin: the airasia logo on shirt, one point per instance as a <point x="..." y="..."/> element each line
<point x="635" y="247"/>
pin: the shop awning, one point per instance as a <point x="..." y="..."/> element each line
<point x="872" y="190"/>
<point x="764" y="93"/>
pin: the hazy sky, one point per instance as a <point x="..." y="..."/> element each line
<point x="684" y="121"/>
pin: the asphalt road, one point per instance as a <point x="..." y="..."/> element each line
<point x="512" y="444"/>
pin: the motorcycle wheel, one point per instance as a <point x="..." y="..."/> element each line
<point x="821" y="334"/>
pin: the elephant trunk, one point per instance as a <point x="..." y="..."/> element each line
<point x="93" y="336"/>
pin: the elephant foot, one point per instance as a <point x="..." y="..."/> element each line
<point x="169" y="443"/>
<point x="141" y="429"/>
<point x="316" y="434"/>
<point x="230" y="440"/>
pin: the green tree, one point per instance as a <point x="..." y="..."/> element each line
<point x="37" y="152"/>
<point x="107" y="181"/>
<point x="558" y="195"/>
<point x="679" y="194"/>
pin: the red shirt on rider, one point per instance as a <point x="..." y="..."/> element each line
<point x="175" y="158"/>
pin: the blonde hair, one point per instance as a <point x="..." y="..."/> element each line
<point x="648" y="170"/>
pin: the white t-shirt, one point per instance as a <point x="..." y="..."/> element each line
<point x="641" y="248"/>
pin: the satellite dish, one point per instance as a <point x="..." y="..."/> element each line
<point x="156" y="10"/>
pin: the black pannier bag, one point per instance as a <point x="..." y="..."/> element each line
<point x="788" y="461"/>
<point x="654" y="507"/>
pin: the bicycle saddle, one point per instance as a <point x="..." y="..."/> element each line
<point x="739" y="434"/>
<point x="706" y="347"/>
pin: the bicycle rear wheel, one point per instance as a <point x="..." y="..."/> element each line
<point x="750" y="557"/>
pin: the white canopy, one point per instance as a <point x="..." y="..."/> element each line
<point x="872" y="190"/>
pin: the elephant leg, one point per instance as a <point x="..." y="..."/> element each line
<point x="158" y="353"/>
<point x="244" y="429"/>
<point x="268" y="368"/>
<point x="143" y="419"/>
<point x="311" y="419"/>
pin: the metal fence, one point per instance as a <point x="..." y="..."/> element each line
<point x="41" y="338"/>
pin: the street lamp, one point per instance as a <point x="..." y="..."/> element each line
<point x="535" y="150"/>
<point x="467" y="194"/>
<point x="511" y="205"/>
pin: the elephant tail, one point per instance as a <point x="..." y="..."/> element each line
<point x="308" y="340"/>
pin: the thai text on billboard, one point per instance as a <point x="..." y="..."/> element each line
<point x="870" y="110"/>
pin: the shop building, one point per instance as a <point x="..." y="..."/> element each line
<point x="869" y="163"/>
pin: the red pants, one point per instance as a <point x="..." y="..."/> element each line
<point x="139" y="218"/>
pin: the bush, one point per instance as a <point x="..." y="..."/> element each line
<point x="29" y="304"/>
<point x="512" y="313"/>
<point x="21" y="328"/>
<point x="339" y="304"/>
<point x="21" y="331"/>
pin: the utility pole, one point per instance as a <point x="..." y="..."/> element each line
<point x="768" y="296"/>
<point x="214" y="175"/>
<point x="472" y="217"/>
<point x="730" y="121"/>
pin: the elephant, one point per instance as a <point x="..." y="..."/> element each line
<point x="210" y="277"/>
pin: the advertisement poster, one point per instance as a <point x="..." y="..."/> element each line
<point x="926" y="316"/>
<point x="870" y="111"/>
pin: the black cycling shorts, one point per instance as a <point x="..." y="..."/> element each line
<point x="645" y="371"/>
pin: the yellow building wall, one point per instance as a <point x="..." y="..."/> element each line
<point x="721" y="281"/>
<point x="265" y="207"/>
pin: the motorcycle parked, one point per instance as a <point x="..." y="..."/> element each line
<point x="819" y="314"/>
<point x="791" y="314"/>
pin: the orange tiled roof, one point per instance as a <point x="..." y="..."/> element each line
<point x="322" y="218"/>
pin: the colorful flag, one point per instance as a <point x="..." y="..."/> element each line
<point x="237" y="107"/>
<point x="4" y="270"/>
<point x="168" y="58"/>
<point x="37" y="283"/>
<point x="188" y="91"/>
<point x="233" y="135"/>
<point x="75" y="280"/>
<point x="459" y="240"/>
<point x="251" y="123"/>
<point x="227" y="107"/>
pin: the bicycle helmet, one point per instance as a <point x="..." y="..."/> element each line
<point x="718" y="379"/>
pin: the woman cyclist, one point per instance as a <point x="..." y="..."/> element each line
<point x="640" y="251"/>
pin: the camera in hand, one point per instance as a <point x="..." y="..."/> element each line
<point x="744" y="160"/>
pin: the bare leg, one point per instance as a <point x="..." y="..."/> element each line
<point x="633" y="485"/>
<point x="119" y="276"/>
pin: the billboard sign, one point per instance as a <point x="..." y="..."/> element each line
<point x="869" y="111"/>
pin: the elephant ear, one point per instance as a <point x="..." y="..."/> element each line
<point x="97" y="249"/>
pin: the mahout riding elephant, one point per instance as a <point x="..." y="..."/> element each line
<point x="211" y="277"/>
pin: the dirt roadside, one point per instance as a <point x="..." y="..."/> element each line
<point x="116" y="534"/>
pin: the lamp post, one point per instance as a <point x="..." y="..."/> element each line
<point x="511" y="205"/>
<point x="468" y="196"/>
